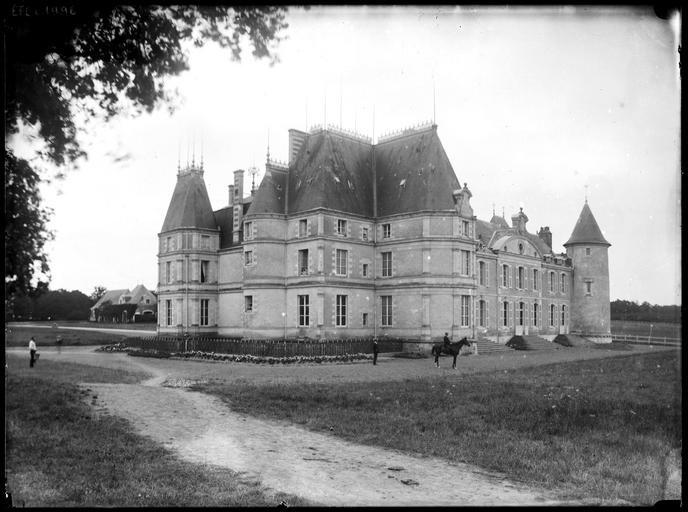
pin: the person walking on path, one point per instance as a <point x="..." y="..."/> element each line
<point x="32" y="351"/>
<point x="376" y="349"/>
<point x="58" y="342"/>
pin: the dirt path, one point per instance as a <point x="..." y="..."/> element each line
<point x="288" y="458"/>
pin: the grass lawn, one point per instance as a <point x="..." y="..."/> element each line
<point x="57" y="454"/>
<point x="587" y="429"/>
<point x="18" y="336"/>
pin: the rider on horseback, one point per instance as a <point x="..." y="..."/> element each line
<point x="446" y="339"/>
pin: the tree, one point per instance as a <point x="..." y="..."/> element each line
<point x="98" y="292"/>
<point x="68" y="64"/>
<point x="62" y="305"/>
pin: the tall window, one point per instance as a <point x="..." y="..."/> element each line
<point x="386" y="230"/>
<point x="204" y="311"/>
<point x="248" y="303"/>
<point x="552" y="315"/>
<point x="482" y="313"/>
<point x="364" y="234"/>
<point x="303" y="262"/>
<point x="168" y="244"/>
<point x="563" y="314"/>
<point x="204" y="271"/>
<point x="364" y="320"/>
<point x="364" y="270"/>
<point x="505" y="276"/>
<point x="248" y="230"/>
<point x="168" y="272"/>
<point x="205" y="242"/>
<point x="304" y="310"/>
<point x="520" y="278"/>
<point x="482" y="277"/>
<point x="587" y="251"/>
<point x="465" y="228"/>
<point x="303" y="227"/>
<point x="465" y="310"/>
<point x="341" y="227"/>
<point x="563" y="283"/>
<point x="386" y="310"/>
<point x="551" y="282"/>
<point x="588" y="287"/>
<point x="505" y="313"/>
<point x="535" y="314"/>
<point x="340" y="313"/>
<point x="521" y="313"/>
<point x="465" y="263"/>
<point x="168" y="311"/>
<point x="535" y="279"/>
<point x="341" y="262"/>
<point x="386" y="264"/>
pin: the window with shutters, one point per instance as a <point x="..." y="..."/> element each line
<point x="386" y="310"/>
<point x="303" y="228"/>
<point x="505" y="276"/>
<point x="482" y="277"/>
<point x="168" y="312"/>
<point x="303" y="262"/>
<point x="341" y="262"/>
<point x="304" y="310"/>
<point x="204" y="312"/>
<point x="204" y="271"/>
<point x="248" y="303"/>
<point x="505" y="314"/>
<point x="340" y="310"/>
<point x="465" y="310"/>
<point x="482" y="313"/>
<point x="341" y="227"/>
<point x="386" y="264"/>
<point x="386" y="230"/>
<point x="552" y="315"/>
<point x="563" y="314"/>
<point x="465" y="263"/>
<point x="168" y="272"/>
<point x="535" y="279"/>
<point x="521" y="313"/>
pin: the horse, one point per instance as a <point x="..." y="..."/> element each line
<point x="452" y="349"/>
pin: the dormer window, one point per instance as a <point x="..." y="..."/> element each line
<point x="520" y="248"/>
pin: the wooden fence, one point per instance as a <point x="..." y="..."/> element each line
<point x="265" y="347"/>
<point x="646" y="340"/>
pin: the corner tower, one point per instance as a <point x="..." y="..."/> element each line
<point x="590" y="310"/>
<point x="187" y="259"/>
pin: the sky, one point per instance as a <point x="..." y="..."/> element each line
<point x="538" y="107"/>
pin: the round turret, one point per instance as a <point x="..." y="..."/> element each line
<point x="590" y="309"/>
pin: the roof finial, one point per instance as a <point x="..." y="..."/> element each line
<point x="179" y="154"/>
<point x="493" y="209"/>
<point x="433" y="98"/>
<point x="325" y="111"/>
<point x="503" y="212"/>
<point x="201" y="150"/>
<point x="340" y="101"/>
<point x="193" y="148"/>
<point x="373" y="124"/>
<point x="586" y="194"/>
<point x="187" y="151"/>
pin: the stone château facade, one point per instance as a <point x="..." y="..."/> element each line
<point x="351" y="238"/>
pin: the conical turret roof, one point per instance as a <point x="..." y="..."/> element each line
<point x="586" y="230"/>
<point x="190" y="205"/>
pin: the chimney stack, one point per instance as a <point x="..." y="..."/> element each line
<point x="545" y="235"/>
<point x="231" y="195"/>
<point x="296" y="140"/>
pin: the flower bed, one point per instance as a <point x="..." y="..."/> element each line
<point x="245" y="358"/>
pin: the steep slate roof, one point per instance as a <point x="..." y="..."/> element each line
<point x="586" y="230"/>
<point x="190" y="205"/>
<point x="110" y="295"/>
<point x="224" y="218"/>
<point x="271" y="193"/>
<point x="414" y="174"/>
<point x="331" y="171"/>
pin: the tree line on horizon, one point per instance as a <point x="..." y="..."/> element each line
<point x="45" y="304"/>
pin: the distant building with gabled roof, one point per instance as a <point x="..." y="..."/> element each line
<point x="144" y="300"/>
<point x="355" y="238"/>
